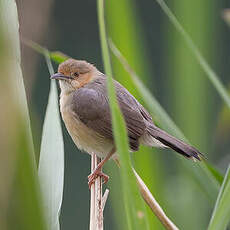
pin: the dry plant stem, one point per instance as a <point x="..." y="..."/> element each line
<point x="97" y="202"/>
<point x="152" y="203"/>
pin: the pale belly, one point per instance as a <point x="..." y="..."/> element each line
<point x="85" y="138"/>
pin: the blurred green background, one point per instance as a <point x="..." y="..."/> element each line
<point x="170" y="71"/>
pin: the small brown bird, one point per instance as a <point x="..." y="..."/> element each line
<point x="84" y="106"/>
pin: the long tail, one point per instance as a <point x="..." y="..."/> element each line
<point x="173" y="143"/>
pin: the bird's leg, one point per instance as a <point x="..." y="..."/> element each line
<point x="98" y="171"/>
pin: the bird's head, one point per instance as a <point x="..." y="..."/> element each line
<point x="73" y="74"/>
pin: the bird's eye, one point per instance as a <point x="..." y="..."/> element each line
<point x="76" y="74"/>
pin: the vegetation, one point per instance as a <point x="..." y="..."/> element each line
<point x="31" y="196"/>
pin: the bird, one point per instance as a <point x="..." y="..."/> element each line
<point x="84" y="107"/>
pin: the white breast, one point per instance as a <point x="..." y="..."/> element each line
<point x="84" y="137"/>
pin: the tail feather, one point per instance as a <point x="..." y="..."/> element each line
<point x="173" y="143"/>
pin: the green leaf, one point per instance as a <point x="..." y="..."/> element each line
<point x="221" y="213"/>
<point x="58" y="57"/>
<point x="219" y="177"/>
<point x="51" y="163"/>
<point x="148" y="163"/>
<point x="135" y="209"/>
<point x="223" y="127"/>
<point x="19" y="187"/>
<point x="197" y="54"/>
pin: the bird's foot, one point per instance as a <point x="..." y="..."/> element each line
<point x="96" y="173"/>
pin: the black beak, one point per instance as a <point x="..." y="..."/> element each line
<point x="60" y="76"/>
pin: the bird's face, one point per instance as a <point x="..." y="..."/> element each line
<point x="74" y="74"/>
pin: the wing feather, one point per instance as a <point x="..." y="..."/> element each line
<point x="91" y="105"/>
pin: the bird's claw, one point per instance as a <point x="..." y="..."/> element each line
<point x="93" y="176"/>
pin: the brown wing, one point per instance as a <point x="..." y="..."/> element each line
<point x="91" y="105"/>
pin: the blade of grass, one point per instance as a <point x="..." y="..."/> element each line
<point x="190" y="91"/>
<point x="56" y="56"/>
<point x="19" y="90"/>
<point x="19" y="188"/>
<point x="197" y="54"/>
<point x="200" y="172"/>
<point x="51" y="163"/>
<point x="219" y="177"/>
<point x="221" y="213"/>
<point x="223" y="127"/>
<point x="146" y="161"/>
<point x="133" y="203"/>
